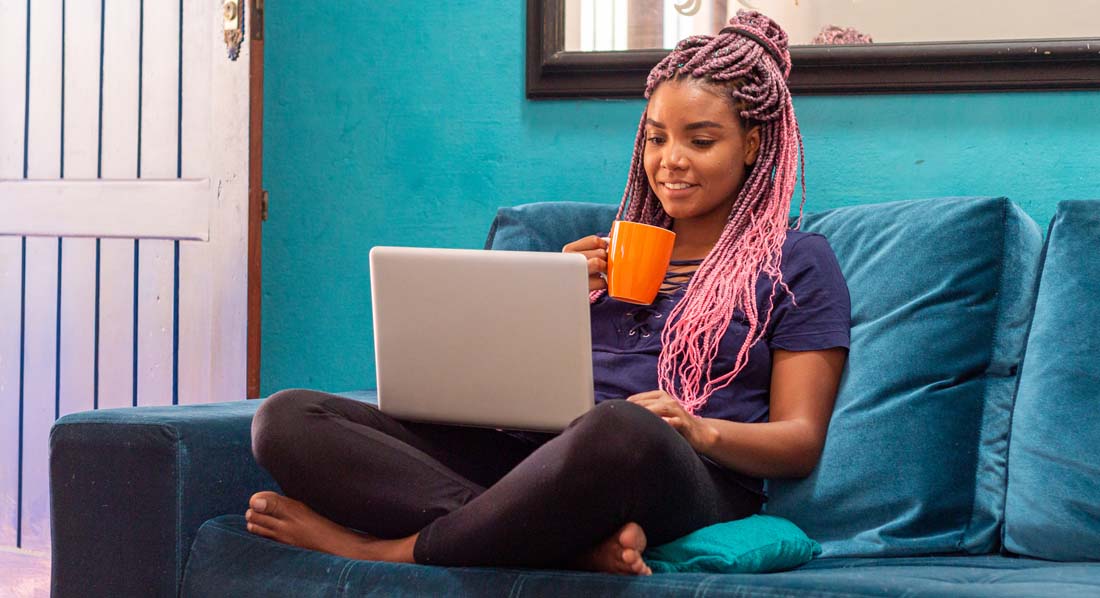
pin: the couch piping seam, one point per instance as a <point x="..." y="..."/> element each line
<point x="492" y="236"/>
<point x="998" y="324"/>
<point x="342" y="579"/>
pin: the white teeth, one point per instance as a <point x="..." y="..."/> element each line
<point x="677" y="185"/>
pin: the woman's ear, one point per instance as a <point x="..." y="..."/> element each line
<point x="752" y="145"/>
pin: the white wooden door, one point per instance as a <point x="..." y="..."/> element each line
<point x="123" y="223"/>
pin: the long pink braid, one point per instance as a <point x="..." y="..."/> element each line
<point x="753" y="54"/>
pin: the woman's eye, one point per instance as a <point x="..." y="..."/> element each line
<point x="654" y="139"/>
<point x="703" y="142"/>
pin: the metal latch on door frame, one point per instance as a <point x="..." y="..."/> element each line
<point x="257" y="20"/>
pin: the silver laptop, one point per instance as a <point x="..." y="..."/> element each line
<point x="498" y="339"/>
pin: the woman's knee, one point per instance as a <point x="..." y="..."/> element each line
<point x="278" y="417"/>
<point x="622" y="436"/>
<point x="618" y="417"/>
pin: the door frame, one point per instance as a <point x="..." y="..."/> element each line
<point x="257" y="196"/>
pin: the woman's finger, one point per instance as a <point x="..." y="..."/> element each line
<point x="597" y="269"/>
<point x="663" y="403"/>
<point x="591" y="253"/>
<point x="586" y="244"/>
<point x="650" y="395"/>
<point x="660" y="410"/>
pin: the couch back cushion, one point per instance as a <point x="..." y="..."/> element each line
<point x="1052" y="509"/>
<point x="941" y="295"/>
<point x="548" y="226"/>
<point x="915" y="458"/>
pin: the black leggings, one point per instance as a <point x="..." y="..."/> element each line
<point x="482" y="497"/>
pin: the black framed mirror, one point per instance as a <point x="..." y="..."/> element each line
<point x="1071" y="63"/>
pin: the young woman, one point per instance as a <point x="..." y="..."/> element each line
<point x="727" y="378"/>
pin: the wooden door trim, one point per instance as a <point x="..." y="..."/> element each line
<point x="255" y="193"/>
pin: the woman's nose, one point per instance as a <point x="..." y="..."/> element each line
<point x="673" y="159"/>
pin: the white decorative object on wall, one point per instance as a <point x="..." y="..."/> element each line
<point x="689" y="7"/>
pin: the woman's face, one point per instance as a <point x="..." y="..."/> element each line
<point x="696" y="151"/>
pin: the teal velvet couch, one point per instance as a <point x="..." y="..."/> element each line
<point x="963" y="456"/>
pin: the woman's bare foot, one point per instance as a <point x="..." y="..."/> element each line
<point x="620" y="553"/>
<point x="291" y="522"/>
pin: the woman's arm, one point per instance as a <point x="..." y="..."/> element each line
<point x="803" y="390"/>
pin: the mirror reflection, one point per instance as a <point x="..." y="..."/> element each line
<point x="607" y="25"/>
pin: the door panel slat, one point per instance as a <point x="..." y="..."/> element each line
<point x="13" y="43"/>
<point x="196" y="332"/>
<point x="118" y="160"/>
<point x="40" y="340"/>
<point x="39" y="373"/>
<point x="159" y="160"/>
<point x="76" y="356"/>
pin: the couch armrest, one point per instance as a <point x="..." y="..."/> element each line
<point x="130" y="487"/>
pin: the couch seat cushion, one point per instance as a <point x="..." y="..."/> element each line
<point x="226" y="560"/>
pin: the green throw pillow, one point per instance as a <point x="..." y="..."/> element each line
<point x="756" y="544"/>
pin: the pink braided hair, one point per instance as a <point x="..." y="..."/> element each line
<point x="752" y="60"/>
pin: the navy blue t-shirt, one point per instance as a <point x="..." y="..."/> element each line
<point x="626" y="338"/>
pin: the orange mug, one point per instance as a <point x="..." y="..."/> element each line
<point x="637" y="259"/>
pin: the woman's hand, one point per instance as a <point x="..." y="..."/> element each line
<point x="695" y="429"/>
<point x="595" y="249"/>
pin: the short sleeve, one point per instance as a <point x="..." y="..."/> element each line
<point x="819" y="316"/>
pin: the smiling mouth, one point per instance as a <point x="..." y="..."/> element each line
<point x="678" y="186"/>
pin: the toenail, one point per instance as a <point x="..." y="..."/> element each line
<point x="260" y="504"/>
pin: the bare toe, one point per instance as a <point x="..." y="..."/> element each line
<point x="261" y="520"/>
<point x="620" y="553"/>
<point x="632" y="536"/>
<point x="266" y="502"/>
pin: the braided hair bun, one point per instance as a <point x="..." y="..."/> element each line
<point x="769" y="35"/>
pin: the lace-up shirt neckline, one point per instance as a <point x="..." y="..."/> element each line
<point x="677" y="280"/>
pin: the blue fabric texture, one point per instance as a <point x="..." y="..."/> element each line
<point x="130" y="487"/>
<point x="915" y="458"/>
<point x="756" y="544"/>
<point x="143" y="480"/>
<point x="1052" y="509"/>
<point x="227" y="560"/>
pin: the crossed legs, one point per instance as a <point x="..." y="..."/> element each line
<point x="364" y="485"/>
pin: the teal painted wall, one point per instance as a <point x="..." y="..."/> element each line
<point x="387" y="126"/>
